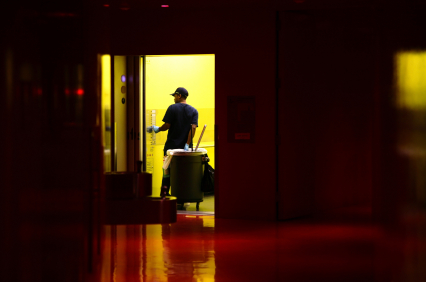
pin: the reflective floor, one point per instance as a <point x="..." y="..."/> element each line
<point x="340" y="247"/>
<point x="206" y="206"/>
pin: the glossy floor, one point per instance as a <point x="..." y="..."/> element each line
<point x="207" y="205"/>
<point x="343" y="247"/>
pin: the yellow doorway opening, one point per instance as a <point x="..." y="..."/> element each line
<point x="163" y="74"/>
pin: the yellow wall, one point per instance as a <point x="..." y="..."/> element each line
<point x="166" y="73"/>
<point x="106" y="109"/>
<point x="120" y="113"/>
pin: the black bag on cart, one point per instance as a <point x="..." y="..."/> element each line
<point x="207" y="182"/>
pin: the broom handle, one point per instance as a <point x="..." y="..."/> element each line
<point x="201" y="136"/>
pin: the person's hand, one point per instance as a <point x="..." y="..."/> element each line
<point x="186" y="147"/>
<point x="156" y="129"/>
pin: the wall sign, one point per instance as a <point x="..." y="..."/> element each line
<point x="241" y="119"/>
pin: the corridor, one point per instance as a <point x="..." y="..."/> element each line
<point x="341" y="246"/>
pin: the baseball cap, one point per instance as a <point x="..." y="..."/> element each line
<point x="182" y="91"/>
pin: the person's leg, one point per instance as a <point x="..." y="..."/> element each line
<point x="165" y="183"/>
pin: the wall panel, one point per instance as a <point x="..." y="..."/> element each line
<point x="244" y="53"/>
<point x="326" y="111"/>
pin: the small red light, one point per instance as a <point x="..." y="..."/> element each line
<point x="39" y="91"/>
<point x="80" y="92"/>
<point x="106" y="5"/>
<point x="67" y="91"/>
<point x="164" y="6"/>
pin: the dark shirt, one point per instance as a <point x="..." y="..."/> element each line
<point x="180" y="116"/>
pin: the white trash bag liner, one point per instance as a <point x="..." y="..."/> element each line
<point x="181" y="152"/>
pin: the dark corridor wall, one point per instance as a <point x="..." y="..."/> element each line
<point x="243" y="42"/>
<point x="337" y="121"/>
<point x="49" y="162"/>
<point x="327" y="61"/>
<point x="340" y="125"/>
<point x="327" y="97"/>
<point x="336" y="116"/>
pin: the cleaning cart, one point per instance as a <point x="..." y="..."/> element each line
<point x="186" y="173"/>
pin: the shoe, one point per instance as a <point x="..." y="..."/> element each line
<point x="164" y="192"/>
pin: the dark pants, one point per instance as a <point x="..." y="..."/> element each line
<point x="165" y="183"/>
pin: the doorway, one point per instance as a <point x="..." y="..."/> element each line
<point x="163" y="74"/>
<point x="135" y="95"/>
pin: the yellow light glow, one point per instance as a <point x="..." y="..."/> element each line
<point x="120" y="113"/>
<point x="152" y="253"/>
<point x="411" y="79"/>
<point x="208" y="221"/>
<point x="106" y="81"/>
<point x="156" y="255"/>
<point x="106" y="109"/>
<point x="164" y="74"/>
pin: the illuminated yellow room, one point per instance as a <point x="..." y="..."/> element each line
<point x="163" y="74"/>
<point x="106" y="110"/>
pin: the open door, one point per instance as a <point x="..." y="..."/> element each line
<point x="122" y="120"/>
<point x="139" y="88"/>
<point x="163" y="74"/>
<point x="133" y="118"/>
<point x="127" y="190"/>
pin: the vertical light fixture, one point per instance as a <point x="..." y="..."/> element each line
<point x="411" y="80"/>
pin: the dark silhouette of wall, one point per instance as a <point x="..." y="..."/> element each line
<point x="337" y="123"/>
<point x="243" y="44"/>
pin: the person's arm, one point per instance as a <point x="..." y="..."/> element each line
<point x="164" y="127"/>
<point x="157" y="129"/>
<point x="194" y="127"/>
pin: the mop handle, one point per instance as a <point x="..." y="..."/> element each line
<point x="201" y="136"/>
<point x="192" y="137"/>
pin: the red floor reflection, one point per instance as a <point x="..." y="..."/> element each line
<point x="202" y="248"/>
